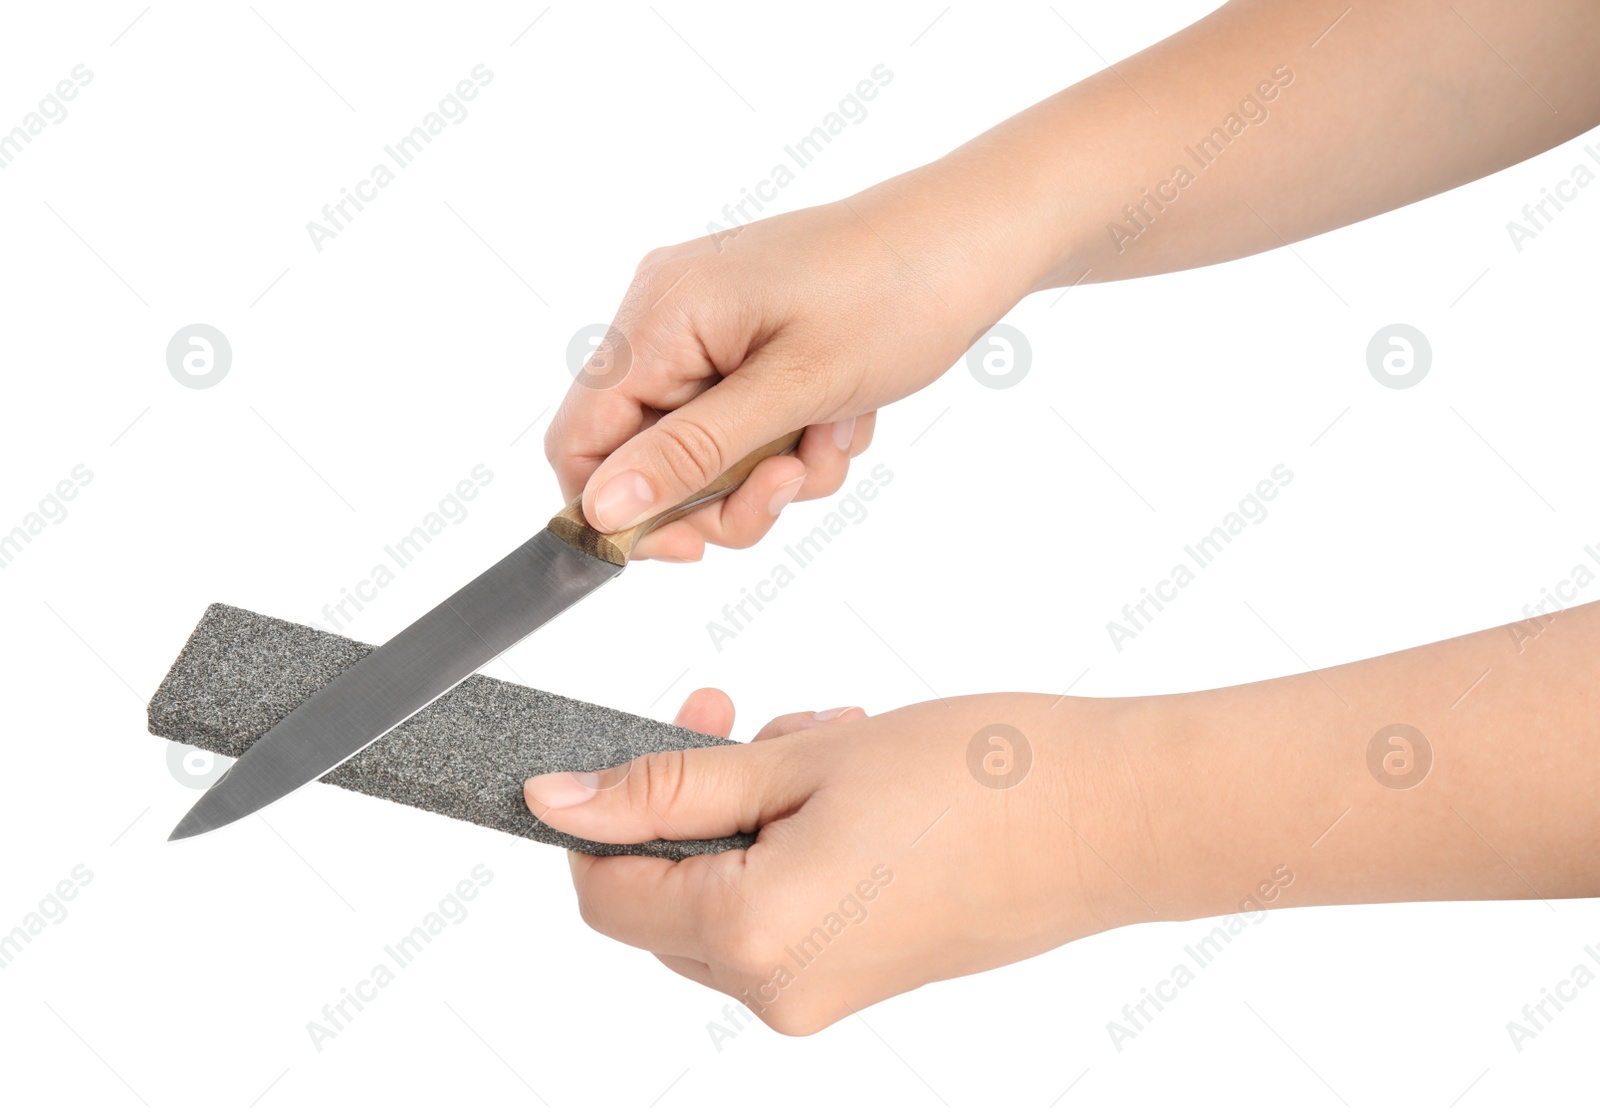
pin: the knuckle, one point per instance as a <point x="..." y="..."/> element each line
<point x="552" y="444"/>
<point x="557" y="439"/>
<point x="657" y="269"/>
<point x="656" y="781"/>
<point x="652" y="260"/>
<point x="690" y="452"/>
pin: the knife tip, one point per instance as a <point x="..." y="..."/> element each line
<point x="189" y="826"/>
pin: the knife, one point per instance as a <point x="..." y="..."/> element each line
<point x="489" y="615"/>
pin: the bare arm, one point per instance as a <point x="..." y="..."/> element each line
<point x="1468" y="769"/>
<point x="1268" y="121"/>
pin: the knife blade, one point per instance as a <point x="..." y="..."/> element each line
<point x="489" y="615"/>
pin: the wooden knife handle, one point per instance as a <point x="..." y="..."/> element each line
<point x="573" y="529"/>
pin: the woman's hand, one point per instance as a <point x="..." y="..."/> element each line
<point x="959" y="835"/>
<point x="894" y="850"/>
<point x="810" y="319"/>
<point x="817" y="318"/>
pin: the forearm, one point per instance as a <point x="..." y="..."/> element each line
<point x="1217" y="789"/>
<point x="1243" y="132"/>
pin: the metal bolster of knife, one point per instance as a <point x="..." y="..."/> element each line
<point x="573" y="529"/>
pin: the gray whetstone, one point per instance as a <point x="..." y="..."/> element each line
<point x="465" y="756"/>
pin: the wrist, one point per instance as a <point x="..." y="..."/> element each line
<point x="976" y="234"/>
<point x="1212" y="814"/>
<point x="1109" y="810"/>
<point x="1039" y="174"/>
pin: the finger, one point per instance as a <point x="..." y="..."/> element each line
<point x="672" y="908"/>
<point x="648" y="364"/>
<point x="700" y="793"/>
<point x="691" y="446"/>
<point x="707" y="711"/>
<point x="807" y="721"/>
<point x="825" y="451"/>
<point x="740" y="519"/>
<point x="676" y="542"/>
<point x="862" y="436"/>
<point x="736" y="522"/>
<point x="587" y="426"/>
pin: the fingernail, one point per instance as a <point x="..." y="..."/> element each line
<point x="832" y="713"/>
<point x="622" y="501"/>
<point x="783" y="494"/>
<point x="564" y="788"/>
<point x="843" y="431"/>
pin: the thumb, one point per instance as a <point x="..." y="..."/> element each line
<point x="697" y="794"/>
<point x="663" y="465"/>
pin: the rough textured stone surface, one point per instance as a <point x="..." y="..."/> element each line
<point x="465" y="756"/>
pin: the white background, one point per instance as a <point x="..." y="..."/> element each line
<point x="430" y="336"/>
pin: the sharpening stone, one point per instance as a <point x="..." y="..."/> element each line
<point x="465" y="756"/>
